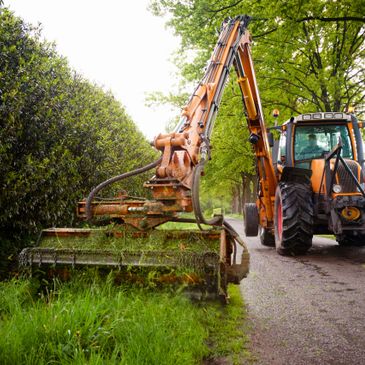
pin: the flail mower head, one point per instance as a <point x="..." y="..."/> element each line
<point x="200" y="261"/>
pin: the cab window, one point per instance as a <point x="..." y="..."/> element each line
<point x="313" y="142"/>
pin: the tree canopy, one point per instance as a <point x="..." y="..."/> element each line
<point x="308" y="56"/>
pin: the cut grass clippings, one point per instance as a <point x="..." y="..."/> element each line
<point x="94" y="321"/>
<point x="117" y="239"/>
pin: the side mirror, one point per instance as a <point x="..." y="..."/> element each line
<point x="270" y="138"/>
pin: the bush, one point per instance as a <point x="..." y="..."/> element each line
<point x="60" y="135"/>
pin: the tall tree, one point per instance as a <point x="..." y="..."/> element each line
<point x="308" y="55"/>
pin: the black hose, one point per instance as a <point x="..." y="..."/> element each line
<point x="234" y="258"/>
<point x="200" y="219"/>
<point x="233" y="233"/>
<point x="112" y="180"/>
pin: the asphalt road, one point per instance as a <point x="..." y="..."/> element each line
<point x="308" y="309"/>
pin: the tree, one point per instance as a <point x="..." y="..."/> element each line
<point x="231" y="156"/>
<point x="312" y="51"/>
<point x="308" y="57"/>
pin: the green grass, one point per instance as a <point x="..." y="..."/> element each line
<point x="93" y="321"/>
<point x="330" y="236"/>
<point x="182" y="226"/>
<point x="227" y="329"/>
<point x="164" y="239"/>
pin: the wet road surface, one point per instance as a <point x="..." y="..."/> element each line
<point x="308" y="309"/>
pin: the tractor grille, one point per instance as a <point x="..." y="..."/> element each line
<point x="345" y="180"/>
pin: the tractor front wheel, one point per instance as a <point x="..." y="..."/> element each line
<point x="293" y="218"/>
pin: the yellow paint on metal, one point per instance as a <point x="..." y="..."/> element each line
<point x="350" y="213"/>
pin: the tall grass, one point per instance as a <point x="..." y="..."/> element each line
<point x="90" y="321"/>
<point x="96" y="323"/>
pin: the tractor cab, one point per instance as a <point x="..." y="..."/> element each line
<point x="313" y="136"/>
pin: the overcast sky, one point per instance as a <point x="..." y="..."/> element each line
<point x="116" y="43"/>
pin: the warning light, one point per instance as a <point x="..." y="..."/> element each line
<point x="275" y="113"/>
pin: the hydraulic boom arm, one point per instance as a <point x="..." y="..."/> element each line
<point x="184" y="151"/>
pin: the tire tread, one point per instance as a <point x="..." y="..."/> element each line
<point x="297" y="209"/>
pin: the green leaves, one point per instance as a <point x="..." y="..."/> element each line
<point x="60" y="135"/>
<point x="308" y="57"/>
<point x="93" y="321"/>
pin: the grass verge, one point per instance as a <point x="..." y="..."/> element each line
<point x="330" y="236"/>
<point x="93" y="321"/>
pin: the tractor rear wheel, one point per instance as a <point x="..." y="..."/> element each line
<point x="293" y="218"/>
<point x="251" y="220"/>
<point x="266" y="237"/>
<point x="351" y="240"/>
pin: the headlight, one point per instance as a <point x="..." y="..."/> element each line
<point x="337" y="188"/>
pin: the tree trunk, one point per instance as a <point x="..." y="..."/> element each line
<point x="236" y="204"/>
<point x="249" y="188"/>
<point x="254" y="188"/>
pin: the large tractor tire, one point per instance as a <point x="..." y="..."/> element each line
<point x="351" y="240"/>
<point x="251" y="220"/>
<point x="266" y="237"/>
<point x="293" y="218"/>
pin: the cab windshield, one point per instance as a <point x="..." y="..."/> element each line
<point x="315" y="142"/>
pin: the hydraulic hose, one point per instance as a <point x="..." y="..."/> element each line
<point x="114" y="179"/>
<point x="216" y="221"/>
<point x="233" y="233"/>
<point x="200" y="219"/>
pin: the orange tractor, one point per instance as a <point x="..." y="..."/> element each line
<point x="319" y="165"/>
<point x="331" y="198"/>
